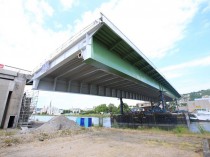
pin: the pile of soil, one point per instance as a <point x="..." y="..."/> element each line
<point x="58" y="123"/>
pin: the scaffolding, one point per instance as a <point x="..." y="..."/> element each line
<point x="28" y="107"/>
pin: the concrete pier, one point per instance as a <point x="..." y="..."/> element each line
<point x="12" y="86"/>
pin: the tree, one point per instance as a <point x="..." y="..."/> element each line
<point x="172" y="106"/>
<point x="183" y="104"/>
<point x="101" y="108"/>
<point x="89" y="112"/>
<point x="125" y="108"/>
<point x="112" y="108"/>
<point x="195" y="95"/>
<point x="66" y="111"/>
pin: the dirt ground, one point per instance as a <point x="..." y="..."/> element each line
<point x="101" y="142"/>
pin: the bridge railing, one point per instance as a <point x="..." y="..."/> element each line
<point x="70" y="41"/>
<point x="19" y="70"/>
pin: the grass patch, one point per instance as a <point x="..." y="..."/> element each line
<point x="10" y="141"/>
<point x="97" y="126"/>
<point x="152" y="129"/>
<point x="181" y="130"/>
<point x="7" y="133"/>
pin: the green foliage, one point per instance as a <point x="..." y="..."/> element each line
<point x="101" y="108"/>
<point x="112" y="108"/>
<point x="172" y="106"/>
<point x="180" y="130"/>
<point x="183" y="104"/>
<point x="44" y="113"/>
<point x="205" y="92"/>
<point x="88" y="112"/>
<point x="195" y="95"/>
<point x="176" y="130"/>
<point x="199" y="94"/>
<point x="125" y="108"/>
<point x="66" y="111"/>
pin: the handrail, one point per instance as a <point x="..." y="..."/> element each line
<point x="16" y="69"/>
<point x="65" y="45"/>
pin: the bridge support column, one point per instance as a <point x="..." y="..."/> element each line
<point x="176" y="104"/>
<point x="121" y="106"/>
<point x="162" y="101"/>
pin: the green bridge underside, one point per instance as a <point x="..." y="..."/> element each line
<point x="113" y="54"/>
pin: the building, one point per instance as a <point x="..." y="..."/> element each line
<point x="12" y="84"/>
<point x="143" y="104"/>
<point x="50" y="110"/>
<point x="38" y="111"/>
<point x="75" y="110"/>
<point x="201" y="103"/>
<point x="88" y="109"/>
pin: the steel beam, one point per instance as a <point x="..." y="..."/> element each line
<point x="81" y="73"/>
<point x="115" y="45"/>
<point x="104" y="80"/>
<point x="73" y="69"/>
<point x="69" y="86"/>
<point x="54" y="85"/>
<point x="132" y="52"/>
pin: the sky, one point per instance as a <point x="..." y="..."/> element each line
<point x="173" y="34"/>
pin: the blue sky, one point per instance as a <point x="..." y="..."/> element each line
<point x="174" y="35"/>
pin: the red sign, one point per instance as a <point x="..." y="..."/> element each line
<point x="1" y="66"/>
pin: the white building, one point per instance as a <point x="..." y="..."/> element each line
<point x="201" y="103"/>
<point x="75" y="110"/>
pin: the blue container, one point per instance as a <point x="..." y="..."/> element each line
<point x="80" y="121"/>
<point x="88" y="122"/>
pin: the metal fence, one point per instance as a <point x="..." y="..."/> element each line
<point x="168" y="120"/>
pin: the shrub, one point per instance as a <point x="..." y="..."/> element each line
<point x="180" y="129"/>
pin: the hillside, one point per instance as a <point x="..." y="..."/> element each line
<point x="199" y="94"/>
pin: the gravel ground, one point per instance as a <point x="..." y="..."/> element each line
<point x="95" y="142"/>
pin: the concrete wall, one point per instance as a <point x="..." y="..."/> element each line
<point x="5" y="87"/>
<point x="14" y="83"/>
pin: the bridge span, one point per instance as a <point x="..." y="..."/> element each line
<point x="101" y="60"/>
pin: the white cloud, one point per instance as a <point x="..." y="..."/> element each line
<point x="39" y="9"/>
<point x="154" y="26"/>
<point x="184" y="69"/>
<point x="207" y="8"/>
<point x="46" y="7"/>
<point x="68" y="4"/>
<point x="191" y="64"/>
<point x="24" y="40"/>
<point x="192" y="85"/>
<point x="172" y="75"/>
